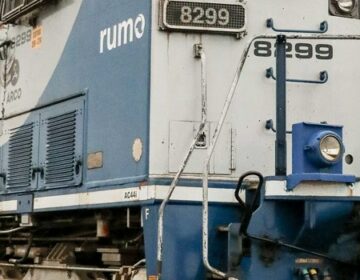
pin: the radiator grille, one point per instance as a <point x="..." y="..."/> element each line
<point x="20" y="156"/>
<point x="60" y="149"/>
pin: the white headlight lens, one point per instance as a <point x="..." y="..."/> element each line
<point x="345" y="6"/>
<point x="330" y="148"/>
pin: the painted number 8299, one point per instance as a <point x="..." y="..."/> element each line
<point x="298" y="50"/>
<point x="200" y="15"/>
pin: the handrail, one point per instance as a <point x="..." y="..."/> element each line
<point x="324" y="26"/>
<point x="323" y="77"/>
<point x="199" y="52"/>
<point x="220" y="125"/>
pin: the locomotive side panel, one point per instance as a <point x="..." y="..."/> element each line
<point x="94" y="54"/>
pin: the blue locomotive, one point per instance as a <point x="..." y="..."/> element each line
<point x="130" y="129"/>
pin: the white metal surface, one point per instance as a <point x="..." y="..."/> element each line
<point x="174" y="85"/>
<point x="312" y="190"/>
<point x="37" y="68"/>
<point x="8" y="206"/>
<point x="182" y="131"/>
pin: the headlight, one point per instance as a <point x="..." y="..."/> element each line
<point x="330" y="148"/>
<point x="345" y="6"/>
<point x="325" y="148"/>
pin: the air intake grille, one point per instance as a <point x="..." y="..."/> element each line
<point x="60" y="149"/>
<point x="20" y="156"/>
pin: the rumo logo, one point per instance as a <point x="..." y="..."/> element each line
<point x="122" y="33"/>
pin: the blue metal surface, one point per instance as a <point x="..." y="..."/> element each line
<point x="295" y="179"/>
<point x="110" y="80"/>
<point x="302" y="158"/>
<point x="307" y="162"/>
<point x="252" y="266"/>
<point x="182" y="239"/>
<point x="24" y="203"/>
<point x="313" y="226"/>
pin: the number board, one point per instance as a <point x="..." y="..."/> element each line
<point x="204" y="16"/>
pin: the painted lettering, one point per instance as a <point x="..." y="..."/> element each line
<point x="125" y="32"/>
<point x="139" y="26"/>
<point x="13" y="95"/>
<point x="122" y="33"/>
<point x="111" y="38"/>
<point x="102" y="36"/>
<point x="147" y="213"/>
<point x="131" y="195"/>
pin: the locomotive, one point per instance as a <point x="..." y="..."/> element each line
<point x="179" y="139"/>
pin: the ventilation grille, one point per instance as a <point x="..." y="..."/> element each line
<point x="60" y="149"/>
<point x="20" y="156"/>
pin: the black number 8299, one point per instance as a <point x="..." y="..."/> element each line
<point x="298" y="50"/>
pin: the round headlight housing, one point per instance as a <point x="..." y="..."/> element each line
<point x="325" y="148"/>
<point x="330" y="148"/>
<point x="345" y="6"/>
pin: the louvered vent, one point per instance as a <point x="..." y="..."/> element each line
<point x="60" y="149"/>
<point x="20" y="156"/>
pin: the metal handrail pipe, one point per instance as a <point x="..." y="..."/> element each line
<point x="184" y="163"/>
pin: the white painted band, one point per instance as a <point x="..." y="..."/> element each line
<point x="182" y="193"/>
<point x="135" y="194"/>
<point x="312" y="189"/>
<point x="8" y="206"/>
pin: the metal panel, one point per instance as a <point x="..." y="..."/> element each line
<point x="181" y="134"/>
<point x="222" y="157"/>
<point x="61" y="137"/>
<point x="20" y="152"/>
<point x="25" y="56"/>
<point x="25" y="203"/>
